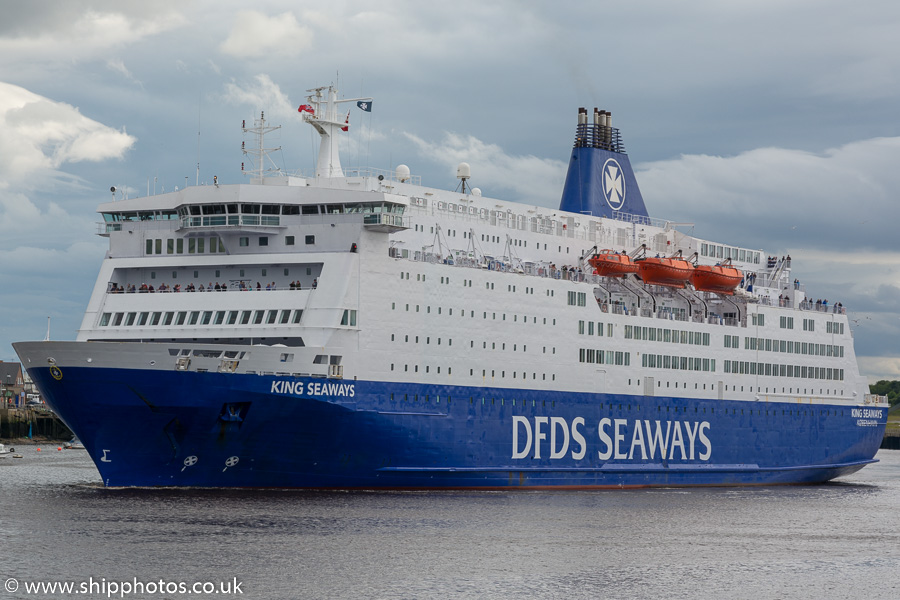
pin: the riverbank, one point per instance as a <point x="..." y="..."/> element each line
<point x="32" y="424"/>
<point x="891" y="439"/>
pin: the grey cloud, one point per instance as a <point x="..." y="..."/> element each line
<point x="48" y="17"/>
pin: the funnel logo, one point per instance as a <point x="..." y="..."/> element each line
<point x="613" y="184"/>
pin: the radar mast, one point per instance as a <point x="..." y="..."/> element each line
<point x="321" y="113"/>
<point x="259" y="155"/>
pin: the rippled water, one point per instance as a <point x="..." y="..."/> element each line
<point x="839" y="540"/>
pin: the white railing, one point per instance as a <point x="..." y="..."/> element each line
<point x="231" y="221"/>
<point x="875" y="399"/>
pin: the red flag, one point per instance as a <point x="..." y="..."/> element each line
<point x="347" y="121"/>
<point x="306" y="108"/>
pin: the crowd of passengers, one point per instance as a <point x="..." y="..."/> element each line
<point x="566" y="272"/>
<point x="163" y="288"/>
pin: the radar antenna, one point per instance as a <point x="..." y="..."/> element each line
<point x="463" y="173"/>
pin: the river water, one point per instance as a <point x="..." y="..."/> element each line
<point x="59" y="525"/>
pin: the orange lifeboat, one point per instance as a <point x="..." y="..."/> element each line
<point x="721" y="279"/>
<point x="609" y="264"/>
<point x="670" y="272"/>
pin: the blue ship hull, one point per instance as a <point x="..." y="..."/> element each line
<point x="170" y="428"/>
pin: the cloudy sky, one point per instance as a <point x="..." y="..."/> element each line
<point x="769" y="125"/>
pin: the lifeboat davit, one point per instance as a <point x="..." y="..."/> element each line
<point x="721" y="279"/>
<point x="609" y="264"/>
<point x="670" y="272"/>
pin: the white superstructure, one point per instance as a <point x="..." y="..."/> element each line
<point x="373" y="276"/>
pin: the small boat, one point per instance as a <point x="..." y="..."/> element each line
<point x="670" y="272"/>
<point x="4" y="451"/>
<point x="721" y="279"/>
<point x="74" y="444"/>
<point x="611" y="264"/>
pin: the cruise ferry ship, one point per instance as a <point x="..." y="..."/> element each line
<point x="360" y="330"/>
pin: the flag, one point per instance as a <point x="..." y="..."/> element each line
<point x="306" y="108"/>
<point x="365" y="105"/>
<point x="347" y="121"/>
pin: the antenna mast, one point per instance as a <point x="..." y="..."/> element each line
<point x="260" y="153"/>
<point x="198" y="143"/>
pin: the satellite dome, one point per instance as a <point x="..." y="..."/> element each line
<point x="463" y="171"/>
<point x="476" y="191"/>
<point x="402" y="173"/>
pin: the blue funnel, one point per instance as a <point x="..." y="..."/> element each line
<point x="600" y="181"/>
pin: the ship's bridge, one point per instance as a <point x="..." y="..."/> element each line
<point x="199" y="210"/>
